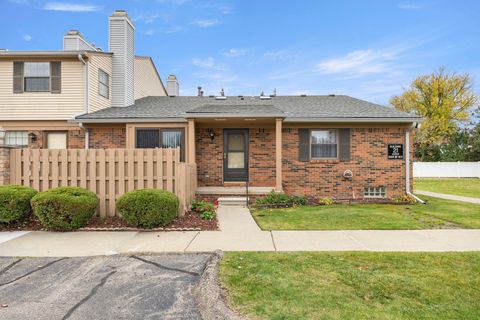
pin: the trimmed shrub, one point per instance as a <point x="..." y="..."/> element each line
<point x="64" y="208"/>
<point x="148" y="208"/>
<point x="276" y="198"/>
<point x="15" y="202"/>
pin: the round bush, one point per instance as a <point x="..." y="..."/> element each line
<point x="64" y="208"/>
<point x="15" y="202"/>
<point x="148" y="208"/>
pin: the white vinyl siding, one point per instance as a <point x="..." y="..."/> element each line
<point x="42" y="105"/>
<point x="147" y="81"/>
<point x="97" y="62"/>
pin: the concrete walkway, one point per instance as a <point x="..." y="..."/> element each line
<point x="239" y="232"/>
<point x="448" y="196"/>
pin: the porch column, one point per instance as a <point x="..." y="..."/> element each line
<point x="191" y="141"/>
<point x="278" y="155"/>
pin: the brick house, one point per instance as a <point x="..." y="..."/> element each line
<point x="322" y="146"/>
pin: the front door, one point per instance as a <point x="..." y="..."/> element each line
<point x="235" y="154"/>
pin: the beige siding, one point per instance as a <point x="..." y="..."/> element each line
<point x="147" y="81"/>
<point x="95" y="100"/>
<point x="42" y="105"/>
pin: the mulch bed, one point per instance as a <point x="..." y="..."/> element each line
<point x="191" y="221"/>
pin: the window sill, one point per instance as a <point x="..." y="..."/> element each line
<point x="324" y="160"/>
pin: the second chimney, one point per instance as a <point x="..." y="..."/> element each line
<point x="121" y="43"/>
<point x="172" y="86"/>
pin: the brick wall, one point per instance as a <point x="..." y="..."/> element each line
<point x="104" y="138"/>
<point x="209" y="157"/>
<point x="100" y="138"/>
<point x="319" y="178"/>
<point x="369" y="165"/>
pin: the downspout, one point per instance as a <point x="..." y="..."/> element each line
<point x="85" y="99"/>
<point x="407" y="167"/>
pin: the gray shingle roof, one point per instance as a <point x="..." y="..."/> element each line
<point x="291" y="107"/>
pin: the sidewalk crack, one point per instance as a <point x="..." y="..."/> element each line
<point x="92" y="292"/>
<point x="273" y="241"/>
<point x="191" y="241"/>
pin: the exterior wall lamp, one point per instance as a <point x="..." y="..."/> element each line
<point x="32" y="136"/>
<point x="211" y="134"/>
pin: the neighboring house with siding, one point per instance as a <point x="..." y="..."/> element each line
<point x="42" y="91"/>
<point x="332" y="145"/>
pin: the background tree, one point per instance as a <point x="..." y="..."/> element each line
<point x="444" y="100"/>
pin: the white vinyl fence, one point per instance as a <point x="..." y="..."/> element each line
<point x="446" y="169"/>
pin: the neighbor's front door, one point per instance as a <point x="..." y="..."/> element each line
<point x="235" y="154"/>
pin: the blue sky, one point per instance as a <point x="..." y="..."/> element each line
<point x="366" y="49"/>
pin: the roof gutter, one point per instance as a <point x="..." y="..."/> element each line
<point x="358" y="119"/>
<point x="128" y="120"/>
<point x="407" y="166"/>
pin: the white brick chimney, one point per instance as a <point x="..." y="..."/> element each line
<point x="172" y="86"/>
<point x="121" y="41"/>
<point x="73" y="41"/>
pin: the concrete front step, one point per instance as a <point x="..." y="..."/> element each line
<point x="232" y="201"/>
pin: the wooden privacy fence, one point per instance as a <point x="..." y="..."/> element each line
<point x="107" y="172"/>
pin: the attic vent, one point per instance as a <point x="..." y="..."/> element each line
<point x="303" y="95"/>
<point x="331" y="95"/>
<point x="220" y="98"/>
<point x="265" y="97"/>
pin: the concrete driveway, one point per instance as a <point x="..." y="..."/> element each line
<point x="114" y="287"/>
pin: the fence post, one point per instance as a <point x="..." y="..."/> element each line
<point x="4" y="165"/>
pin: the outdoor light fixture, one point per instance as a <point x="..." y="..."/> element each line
<point x="32" y="136"/>
<point x="211" y="133"/>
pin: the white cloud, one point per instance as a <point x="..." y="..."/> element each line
<point x="27" y="37"/>
<point x="174" y="29"/>
<point x="205" y="23"/>
<point x="358" y="62"/>
<point x="147" y="19"/>
<point x="233" y="53"/>
<point x="150" y="32"/>
<point x="207" y="63"/>
<point x="277" y="55"/>
<point x="408" y="6"/>
<point x="70" y="7"/>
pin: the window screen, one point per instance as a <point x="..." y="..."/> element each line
<point x="36" y="76"/>
<point x="19" y="138"/>
<point x="324" y="144"/>
<point x="148" y="138"/>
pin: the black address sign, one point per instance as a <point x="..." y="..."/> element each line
<point x="395" y="151"/>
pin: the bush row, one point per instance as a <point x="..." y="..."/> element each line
<point x="69" y="208"/>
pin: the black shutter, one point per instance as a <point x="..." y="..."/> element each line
<point x="304" y="145"/>
<point x="344" y="138"/>
<point x="55" y="77"/>
<point x="17" y="77"/>
<point x="148" y="138"/>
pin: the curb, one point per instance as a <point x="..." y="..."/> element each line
<point x="210" y="296"/>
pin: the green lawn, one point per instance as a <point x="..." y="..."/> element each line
<point x="438" y="213"/>
<point x="460" y="187"/>
<point x="353" y="285"/>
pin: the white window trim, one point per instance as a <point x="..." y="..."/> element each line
<point x="310" y="144"/>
